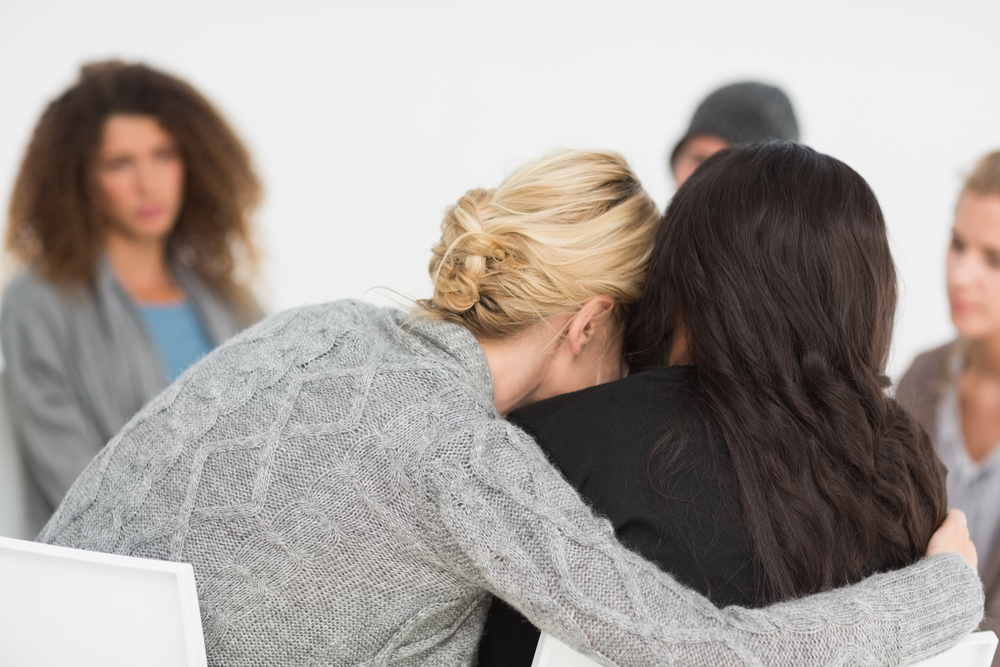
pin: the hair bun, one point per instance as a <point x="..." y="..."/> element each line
<point x="466" y="255"/>
<point x="561" y="229"/>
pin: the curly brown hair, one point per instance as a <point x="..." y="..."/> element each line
<point x="56" y="219"/>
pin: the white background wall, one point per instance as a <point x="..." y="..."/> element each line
<point x="366" y="119"/>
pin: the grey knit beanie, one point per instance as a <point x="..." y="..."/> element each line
<point x="743" y="113"/>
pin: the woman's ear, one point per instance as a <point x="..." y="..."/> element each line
<point x="588" y="322"/>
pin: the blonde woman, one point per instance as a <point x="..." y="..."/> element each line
<point x="954" y="390"/>
<point x="344" y="483"/>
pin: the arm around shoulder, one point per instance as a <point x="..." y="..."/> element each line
<point x="919" y="388"/>
<point x="512" y="523"/>
<point x="893" y="618"/>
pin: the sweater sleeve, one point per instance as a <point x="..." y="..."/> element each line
<point x="57" y="436"/>
<point x="503" y="518"/>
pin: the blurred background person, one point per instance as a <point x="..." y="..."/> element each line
<point x="954" y="390"/>
<point x="740" y="113"/>
<point x="131" y="218"/>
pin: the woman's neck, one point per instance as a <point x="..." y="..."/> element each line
<point x="517" y="366"/>
<point x="141" y="268"/>
<point x="562" y="353"/>
<point x="680" y="350"/>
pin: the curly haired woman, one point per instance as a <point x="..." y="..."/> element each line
<point x="131" y="217"/>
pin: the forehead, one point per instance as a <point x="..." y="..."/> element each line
<point x="129" y="133"/>
<point x="704" y="145"/>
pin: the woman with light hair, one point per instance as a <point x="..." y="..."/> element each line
<point x="343" y="481"/>
<point x="954" y="390"/>
<point x="131" y="219"/>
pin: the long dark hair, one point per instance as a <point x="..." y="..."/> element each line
<point x="56" y="218"/>
<point x="775" y="260"/>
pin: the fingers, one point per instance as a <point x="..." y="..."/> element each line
<point x="953" y="536"/>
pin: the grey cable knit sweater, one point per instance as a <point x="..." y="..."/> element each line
<point x="348" y="495"/>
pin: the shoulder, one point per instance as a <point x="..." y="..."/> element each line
<point x="36" y="318"/>
<point x="934" y="358"/>
<point x="389" y="329"/>
<point x="338" y="322"/>
<point x="29" y="297"/>
<point x="615" y="422"/>
<point x="922" y="383"/>
<point x="926" y="370"/>
<point x="358" y="336"/>
<point x="340" y="361"/>
<point x="629" y="395"/>
<point x="27" y="286"/>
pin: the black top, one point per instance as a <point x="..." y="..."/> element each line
<point x="601" y="439"/>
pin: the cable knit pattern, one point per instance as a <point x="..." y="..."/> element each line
<point x="348" y="495"/>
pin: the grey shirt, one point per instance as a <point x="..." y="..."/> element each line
<point x="347" y="493"/>
<point x="972" y="486"/>
<point x="921" y="390"/>
<point x="79" y="362"/>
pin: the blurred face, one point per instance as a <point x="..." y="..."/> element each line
<point x="974" y="266"/>
<point x="141" y="177"/>
<point x="696" y="150"/>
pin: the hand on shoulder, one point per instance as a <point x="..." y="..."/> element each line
<point x="953" y="535"/>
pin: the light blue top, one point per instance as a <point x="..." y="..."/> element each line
<point x="179" y="335"/>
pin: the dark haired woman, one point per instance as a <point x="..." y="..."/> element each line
<point x="753" y="453"/>
<point x="131" y="213"/>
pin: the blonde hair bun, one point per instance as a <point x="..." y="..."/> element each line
<point x="560" y="230"/>
<point x="469" y="254"/>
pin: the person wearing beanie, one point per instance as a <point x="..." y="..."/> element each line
<point x="740" y="113"/>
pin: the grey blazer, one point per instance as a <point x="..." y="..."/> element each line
<point x="79" y="362"/>
<point x="919" y="391"/>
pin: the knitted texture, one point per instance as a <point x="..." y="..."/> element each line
<point x="348" y="495"/>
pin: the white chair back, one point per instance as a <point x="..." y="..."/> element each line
<point x="550" y="652"/>
<point x="14" y="489"/>
<point x="976" y="650"/>
<point x="62" y="606"/>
